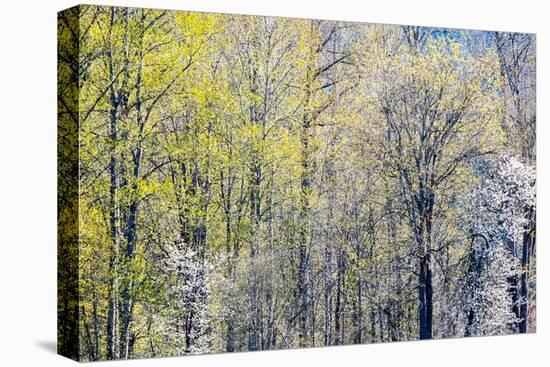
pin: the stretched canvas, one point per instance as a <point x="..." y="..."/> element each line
<point x="240" y="183"/>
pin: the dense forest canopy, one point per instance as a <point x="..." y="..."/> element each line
<point x="235" y="183"/>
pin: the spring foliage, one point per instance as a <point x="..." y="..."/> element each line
<point x="249" y="183"/>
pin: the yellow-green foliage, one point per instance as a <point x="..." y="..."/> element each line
<point x="284" y="159"/>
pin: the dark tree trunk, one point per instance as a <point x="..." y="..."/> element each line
<point x="425" y="278"/>
<point x="425" y="294"/>
<point x="527" y="245"/>
<point x="112" y="334"/>
<point x="305" y="190"/>
<point x="96" y="326"/>
<point x="359" y="312"/>
<point x="255" y="218"/>
<point x="328" y="294"/>
<point x="338" y="307"/>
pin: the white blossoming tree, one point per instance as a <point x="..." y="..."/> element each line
<point x="190" y="276"/>
<point x="494" y="288"/>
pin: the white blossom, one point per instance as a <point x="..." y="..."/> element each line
<point x="501" y="203"/>
<point x="190" y="276"/>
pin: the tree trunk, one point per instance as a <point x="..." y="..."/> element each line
<point x="305" y="190"/>
<point x="338" y="307"/>
<point x="425" y="278"/>
<point x="133" y="212"/>
<point x="528" y="243"/>
<point x="425" y="298"/>
<point x="112" y="317"/>
<point x="359" y="312"/>
<point x="328" y="294"/>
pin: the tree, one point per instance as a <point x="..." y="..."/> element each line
<point x="516" y="54"/>
<point x="496" y="303"/>
<point x="438" y="106"/>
